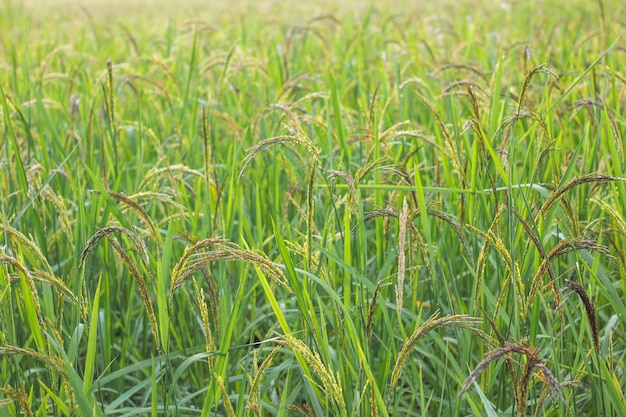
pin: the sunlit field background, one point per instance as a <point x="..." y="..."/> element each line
<point x="291" y="208"/>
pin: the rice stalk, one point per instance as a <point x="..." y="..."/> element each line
<point x="204" y="317"/>
<point x="20" y="397"/>
<point x="452" y="222"/>
<point x="143" y="289"/>
<point x="330" y="382"/>
<point x="163" y="198"/>
<point x="401" y="256"/>
<point x="590" y="310"/>
<point x="42" y="276"/>
<point x="155" y="174"/>
<point x="310" y="218"/>
<point x="38" y="193"/>
<point x="54" y="363"/>
<point x="139" y="245"/>
<point x="372" y="399"/>
<point x="254" y="392"/>
<point x="482" y="257"/>
<point x="549" y="379"/>
<point x="529" y="76"/>
<point x="287" y="139"/>
<point x="475" y="105"/>
<point x="563" y="247"/>
<point x="371" y="308"/>
<point x="413" y="231"/>
<point x="301" y="251"/>
<point x="450" y="148"/>
<point x="368" y="166"/>
<point x="393" y="131"/>
<point x="130" y="265"/>
<point x="197" y="257"/>
<point x="514" y="275"/>
<point x="228" y="406"/>
<point x="459" y="320"/>
<point x="62" y="213"/>
<point x="572" y="183"/>
<point x="109" y="102"/>
<point x="617" y="135"/>
<point x="34" y="191"/>
<point x="617" y="217"/>
<point x="141" y="214"/>
<point x="586" y="103"/>
<point x="510" y="364"/>
<point x="18" y="240"/>
<point x="464" y="66"/>
<point x="510" y="121"/>
<point x="9" y="260"/>
<point x="189" y="252"/>
<point x="532" y="361"/>
<point x="350" y="182"/>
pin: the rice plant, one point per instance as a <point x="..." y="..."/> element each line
<point x="266" y="208"/>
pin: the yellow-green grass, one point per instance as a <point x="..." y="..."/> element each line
<point x="263" y="208"/>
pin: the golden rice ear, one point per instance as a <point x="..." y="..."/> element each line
<point x="611" y="211"/>
<point x="564" y="246"/>
<point x="122" y="255"/>
<point x="535" y="70"/>
<point x="330" y="381"/>
<point x="310" y="218"/>
<point x="574" y="182"/>
<point x="533" y="361"/>
<point x="450" y="147"/>
<point x="189" y="252"/>
<point x="41" y="276"/>
<point x="139" y="245"/>
<point x="52" y="362"/>
<point x="298" y="138"/>
<point x="17" y="238"/>
<point x="483" y="256"/>
<point x="143" y="289"/>
<point x="204" y="316"/>
<point x="350" y="181"/>
<point x="228" y="406"/>
<point x="20" y="396"/>
<point x="141" y="214"/>
<point x="253" y="396"/>
<point x="553" y="383"/>
<point x="30" y="284"/>
<point x="461" y="321"/>
<point x="197" y="257"/>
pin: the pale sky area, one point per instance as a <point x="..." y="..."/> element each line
<point x="100" y="9"/>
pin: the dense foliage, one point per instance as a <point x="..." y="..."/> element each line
<point x="313" y="210"/>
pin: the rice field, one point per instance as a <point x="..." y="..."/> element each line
<point x="273" y="208"/>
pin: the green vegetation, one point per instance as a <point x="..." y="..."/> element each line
<point x="312" y="210"/>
